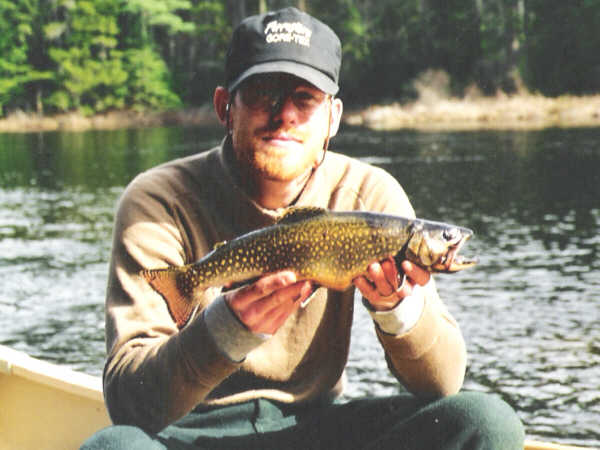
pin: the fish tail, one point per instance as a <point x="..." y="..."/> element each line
<point x="170" y="284"/>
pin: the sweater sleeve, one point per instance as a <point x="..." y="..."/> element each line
<point x="154" y="373"/>
<point x="430" y="358"/>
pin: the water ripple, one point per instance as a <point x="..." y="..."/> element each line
<point x="529" y="310"/>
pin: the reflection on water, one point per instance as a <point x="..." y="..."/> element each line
<point x="54" y="246"/>
<point x="528" y="311"/>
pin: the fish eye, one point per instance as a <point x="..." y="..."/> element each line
<point x="450" y="234"/>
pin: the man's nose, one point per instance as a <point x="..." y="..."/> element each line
<point x="284" y="110"/>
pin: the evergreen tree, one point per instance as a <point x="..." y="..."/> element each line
<point x="89" y="69"/>
<point x="201" y="64"/>
<point x="155" y="37"/>
<point x="16" y="73"/>
<point x="562" y="46"/>
<point x="97" y="55"/>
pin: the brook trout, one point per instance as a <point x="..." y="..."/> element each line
<point x="329" y="248"/>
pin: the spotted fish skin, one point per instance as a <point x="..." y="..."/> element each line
<point x="329" y="248"/>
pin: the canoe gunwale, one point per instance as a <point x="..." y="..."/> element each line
<point x="20" y="364"/>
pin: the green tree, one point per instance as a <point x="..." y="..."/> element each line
<point x="396" y="42"/>
<point x="148" y="83"/>
<point x="562" y="46"/>
<point x="90" y="73"/>
<point x="96" y="55"/>
<point x="501" y="27"/>
<point x="454" y="40"/>
<point x="159" y="14"/>
<point x="346" y="19"/>
<point x="202" y="61"/>
<point x="157" y="36"/>
<point x="16" y="73"/>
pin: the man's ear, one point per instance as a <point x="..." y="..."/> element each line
<point x="337" y="108"/>
<point x="221" y="103"/>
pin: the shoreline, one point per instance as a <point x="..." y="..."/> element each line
<point x="21" y="122"/>
<point x="502" y="112"/>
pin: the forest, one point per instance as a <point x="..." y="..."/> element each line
<point x="93" y="56"/>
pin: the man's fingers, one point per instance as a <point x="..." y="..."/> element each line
<point x="263" y="287"/>
<point x="380" y="279"/>
<point x="385" y="284"/>
<point x="255" y="311"/>
<point x="416" y="273"/>
<point x="365" y="287"/>
<point x="265" y="305"/>
<point x="277" y="316"/>
<point x="391" y="273"/>
<point x="285" y="297"/>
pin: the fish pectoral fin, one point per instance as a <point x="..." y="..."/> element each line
<point x="401" y="255"/>
<point x="298" y="213"/>
<point x="165" y="282"/>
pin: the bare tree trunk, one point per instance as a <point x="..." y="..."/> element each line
<point x="523" y="22"/>
<point x="302" y="5"/>
<point x="509" y="35"/>
<point x="479" y="7"/>
<point x="39" y="106"/>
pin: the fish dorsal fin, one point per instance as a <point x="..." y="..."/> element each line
<point x="299" y="213"/>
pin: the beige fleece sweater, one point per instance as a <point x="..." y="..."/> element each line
<point x="173" y="215"/>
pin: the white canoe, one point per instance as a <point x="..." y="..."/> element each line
<point x="43" y="405"/>
<point x="46" y="406"/>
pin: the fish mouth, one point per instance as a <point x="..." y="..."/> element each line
<point x="452" y="261"/>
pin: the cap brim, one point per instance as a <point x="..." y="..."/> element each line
<point x="310" y="74"/>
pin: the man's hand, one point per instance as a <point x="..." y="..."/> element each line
<point x="265" y="305"/>
<point x="383" y="288"/>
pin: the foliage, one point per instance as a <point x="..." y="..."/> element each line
<point x="199" y="66"/>
<point x="346" y="19"/>
<point x="89" y="68"/>
<point x="16" y="73"/>
<point x="148" y="84"/>
<point x="97" y="55"/>
<point x="396" y="47"/>
<point x="562" y="46"/>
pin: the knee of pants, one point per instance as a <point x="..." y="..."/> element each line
<point x="121" y="437"/>
<point x="491" y="421"/>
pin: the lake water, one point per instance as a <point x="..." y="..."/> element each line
<point x="529" y="311"/>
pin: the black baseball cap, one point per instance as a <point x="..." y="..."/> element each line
<point x="289" y="41"/>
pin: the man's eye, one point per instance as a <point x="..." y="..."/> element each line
<point x="304" y="95"/>
<point x="304" y="98"/>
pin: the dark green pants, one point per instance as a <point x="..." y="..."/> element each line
<point x="463" y="421"/>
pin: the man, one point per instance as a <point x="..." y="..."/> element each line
<point x="259" y="366"/>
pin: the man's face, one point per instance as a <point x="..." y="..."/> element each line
<point x="279" y="125"/>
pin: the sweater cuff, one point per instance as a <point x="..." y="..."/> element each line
<point x="231" y="337"/>
<point x="402" y="318"/>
